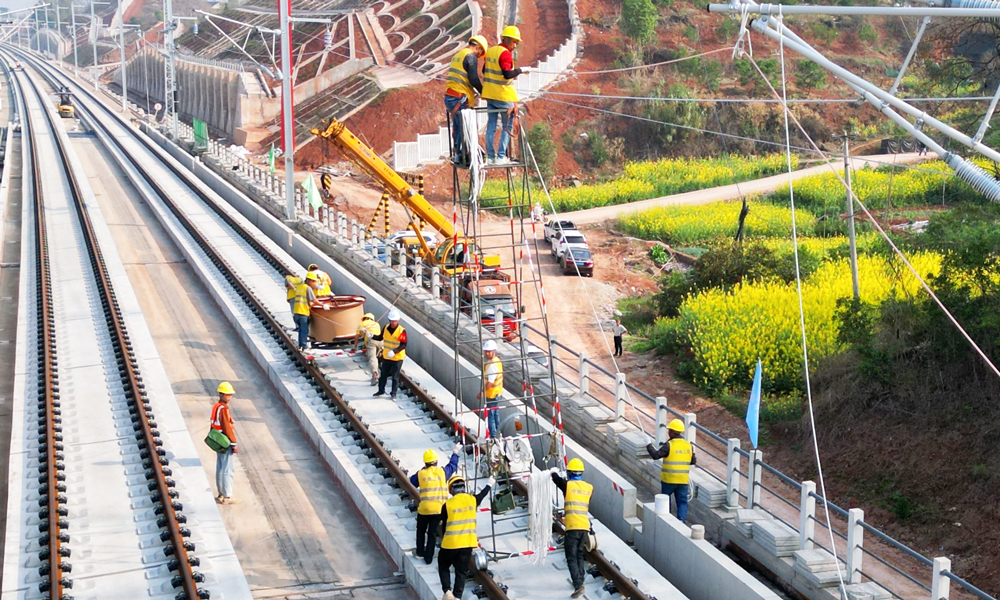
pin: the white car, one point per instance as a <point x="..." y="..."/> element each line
<point x="411" y="238"/>
<point x="567" y="239"/>
<point x="553" y="227"/>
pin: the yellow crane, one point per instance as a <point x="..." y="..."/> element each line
<point x="455" y="252"/>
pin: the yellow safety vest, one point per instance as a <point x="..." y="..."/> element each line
<point x="433" y="490"/>
<point x="493" y="390"/>
<point x="323" y="290"/>
<point x="495" y="86"/>
<point x="677" y="464"/>
<point x="370" y="327"/>
<point x="390" y="341"/>
<point x="293" y="281"/>
<point x="578" y="495"/>
<point x="300" y="303"/>
<point x="458" y="79"/>
<point x="324" y="278"/>
<point x="460" y="531"/>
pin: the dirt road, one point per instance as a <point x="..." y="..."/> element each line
<point x="730" y="192"/>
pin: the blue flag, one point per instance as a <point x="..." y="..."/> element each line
<point x="753" y="407"/>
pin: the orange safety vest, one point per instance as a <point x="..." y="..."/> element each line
<point x="217" y="415"/>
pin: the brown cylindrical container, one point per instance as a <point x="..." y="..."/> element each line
<point x="336" y="318"/>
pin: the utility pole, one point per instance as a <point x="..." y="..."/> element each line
<point x="121" y="36"/>
<point x="72" y="32"/>
<point x="846" y="137"/>
<point x="170" y="104"/>
<point x="93" y="40"/>
<point x="48" y="38"/>
<point x="287" y="106"/>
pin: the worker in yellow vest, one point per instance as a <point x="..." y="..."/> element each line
<point x="367" y="330"/>
<point x="498" y="91"/>
<point x="492" y="386"/>
<point x="576" y="520"/>
<point x="432" y="483"/>
<point x="319" y="288"/>
<point x="300" y="303"/>
<point x="678" y="456"/>
<point x="459" y="516"/>
<point x="290" y="282"/>
<point x="323" y="276"/>
<point x="393" y="338"/>
<point x="464" y="85"/>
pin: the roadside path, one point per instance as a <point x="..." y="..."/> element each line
<point x="730" y="192"/>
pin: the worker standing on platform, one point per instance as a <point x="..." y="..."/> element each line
<point x="367" y="331"/>
<point x="492" y="386"/>
<point x="393" y="338"/>
<point x="320" y="289"/>
<point x="323" y="276"/>
<point x="498" y="91"/>
<point x="432" y="482"/>
<point x="459" y="516"/>
<point x="577" y="520"/>
<point x="463" y="86"/>
<point x="678" y="457"/>
<point x="225" y="468"/>
<point x="301" y="301"/>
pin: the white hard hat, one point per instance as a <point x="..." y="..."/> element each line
<point x="490" y="346"/>
<point x="394" y="315"/>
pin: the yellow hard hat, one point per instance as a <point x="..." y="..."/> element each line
<point x="478" y="39"/>
<point x="312" y="276"/>
<point x="430" y="456"/>
<point x="226" y="388"/>
<point x="456" y="480"/>
<point x="575" y="465"/>
<point x="312" y="266"/>
<point x="368" y="317"/>
<point x="676" y="425"/>
<point x="511" y="32"/>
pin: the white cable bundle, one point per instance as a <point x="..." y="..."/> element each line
<point x="470" y="136"/>
<point x="541" y="498"/>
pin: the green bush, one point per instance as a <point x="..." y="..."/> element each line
<point x="867" y="34"/>
<point x="809" y="75"/>
<point x="639" y="19"/>
<point x="543" y="148"/>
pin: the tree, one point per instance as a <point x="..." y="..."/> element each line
<point x="809" y="75"/>
<point x="543" y="148"/>
<point x="639" y="18"/>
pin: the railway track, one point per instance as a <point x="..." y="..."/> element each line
<point x="253" y="269"/>
<point x="60" y="216"/>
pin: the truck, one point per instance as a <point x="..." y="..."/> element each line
<point x="457" y="257"/>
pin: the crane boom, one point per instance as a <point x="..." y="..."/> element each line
<point x="365" y="158"/>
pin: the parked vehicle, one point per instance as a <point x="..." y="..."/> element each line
<point x="567" y="239"/>
<point x="577" y="260"/>
<point x="496" y="303"/>
<point x="554" y="226"/>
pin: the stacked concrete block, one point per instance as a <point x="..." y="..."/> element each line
<point x="818" y="567"/>
<point x="633" y="444"/>
<point x="745" y="518"/>
<point x="707" y="489"/>
<point x="775" y="536"/>
<point x="867" y="591"/>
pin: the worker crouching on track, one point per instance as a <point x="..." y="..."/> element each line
<point x="464" y="85"/>
<point x="432" y="483"/>
<point x="459" y="516"/>
<point x="300" y="303"/>
<point x="577" y="520"/>
<point x="492" y="386"/>
<point x="367" y="330"/>
<point x="225" y="468"/>
<point x="678" y="456"/>
<point x="393" y="338"/>
<point x="498" y="91"/>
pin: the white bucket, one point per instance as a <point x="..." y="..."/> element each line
<point x="697" y="532"/>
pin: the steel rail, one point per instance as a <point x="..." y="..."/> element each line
<point x="303" y="362"/>
<point x="155" y="462"/>
<point x="51" y="495"/>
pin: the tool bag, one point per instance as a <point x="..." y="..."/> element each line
<point x="217" y="441"/>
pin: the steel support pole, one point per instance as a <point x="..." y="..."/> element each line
<point x="121" y="37"/>
<point x="170" y="99"/>
<point x="909" y="55"/>
<point x="851" y="238"/>
<point x="72" y="32"/>
<point x="93" y="40"/>
<point x="48" y="38"/>
<point x="287" y="105"/>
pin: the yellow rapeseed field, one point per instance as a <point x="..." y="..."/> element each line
<point x="727" y="331"/>
<point x="717" y="220"/>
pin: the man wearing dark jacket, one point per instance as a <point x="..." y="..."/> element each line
<point x="464" y="84"/>
<point x="678" y="457"/>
